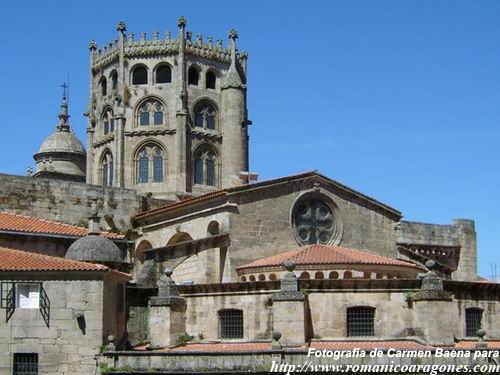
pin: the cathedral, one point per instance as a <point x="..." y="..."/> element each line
<point x="154" y="248"/>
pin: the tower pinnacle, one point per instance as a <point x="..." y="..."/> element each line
<point x="63" y="114"/>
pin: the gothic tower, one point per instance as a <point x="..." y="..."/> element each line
<point x="167" y="115"/>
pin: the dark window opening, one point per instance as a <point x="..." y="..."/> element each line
<point x="231" y="324"/>
<point x="140" y="76"/>
<point x="193" y="76"/>
<point x="25" y="363"/>
<point x="360" y="321"/>
<point x="6" y="287"/>
<point x="114" y="80"/>
<point x="104" y="87"/>
<point x="198" y="171"/>
<point x="164" y="74"/>
<point x="473" y="318"/>
<point x="210" y="80"/>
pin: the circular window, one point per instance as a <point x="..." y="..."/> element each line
<point x="315" y="220"/>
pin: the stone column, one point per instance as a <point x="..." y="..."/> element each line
<point x="167" y="314"/>
<point x="434" y="310"/>
<point x="288" y="306"/>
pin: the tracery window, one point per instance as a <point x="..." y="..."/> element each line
<point x="151" y="112"/>
<point x="231" y="324"/>
<point x="360" y="321"/>
<point x="473" y="318"/>
<point x="205" y="167"/>
<point x="150" y="163"/>
<point x="140" y="76"/>
<point x="205" y="116"/>
<point x="315" y="220"/>
<point x="114" y="79"/>
<point x="108" y="121"/>
<point x="107" y="169"/>
<point x="163" y="74"/>
<point x="104" y="86"/>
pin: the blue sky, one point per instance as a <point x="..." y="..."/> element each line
<point x="397" y="99"/>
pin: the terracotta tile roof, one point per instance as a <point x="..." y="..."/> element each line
<point x="471" y="344"/>
<point x="182" y="203"/>
<point x="370" y="345"/>
<point x="325" y="255"/>
<point x="28" y="224"/>
<point x="23" y="261"/>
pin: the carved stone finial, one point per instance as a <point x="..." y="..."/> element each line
<point x="111" y="343"/>
<point x="92" y="45"/>
<point x="276" y="338"/>
<point x="244" y="55"/>
<point x="289" y="265"/>
<point x="189" y="35"/>
<point x="143" y="36"/>
<point x="210" y="41"/>
<point x="29" y="172"/>
<point x="219" y="44"/>
<point x="121" y="27"/>
<point x="168" y="35"/>
<point x="199" y="40"/>
<point x="181" y="22"/>
<point x="155" y="35"/>
<point x="168" y="272"/>
<point x="233" y="34"/>
<point x="480" y="342"/>
<point x="430" y="264"/>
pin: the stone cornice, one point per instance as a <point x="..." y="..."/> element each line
<point x="107" y="139"/>
<point x="149" y="132"/>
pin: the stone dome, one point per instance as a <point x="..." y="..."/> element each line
<point x="62" y="141"/>
<point x="93" y="248"/>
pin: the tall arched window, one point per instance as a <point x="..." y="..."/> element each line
<point x="163" y="74"/>
<point x="108" y="121"/>
<point x="104" y="86"/>
<point x="114" y="79"/>
<point x="231" y="324"/>
<point x="210" y="80"/>
<point x="205" y="115"/>
<point x="107" y="169"/>
<point x="150" y="164"/>
<point x="473" y="320"/>
<point x="193" y="76"/>
<point x="360" y="321"/>
<point x="140" y="76"/>
<point x="151" y="112"/>
<point x="205" y="167"/>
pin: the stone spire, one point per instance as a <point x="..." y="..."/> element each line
<point x="233" y="79"/>
<point x="63" y="114"/>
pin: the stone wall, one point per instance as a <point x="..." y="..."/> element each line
<point x="66" y="201"/>
<point x="63" y="348"/>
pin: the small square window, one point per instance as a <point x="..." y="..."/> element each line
<point x="28" y="296"/>
<point x="25" y="364"/>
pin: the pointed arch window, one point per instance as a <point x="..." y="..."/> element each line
<point x="205" y="116"/>
<point x="114" y="79"/>
<point x="150" y="164"/>
<point x="205" y="167"/>
<point x="151" y="112"/>
<point x="107" y="169"/>
<point x="108" y="121"/>
<point x="104" y="86"/>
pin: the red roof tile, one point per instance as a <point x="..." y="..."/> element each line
<point x="28" y="224"/>
<point x="23" y="261"/>
<point x="471" y="344"/>
<point x="182" y="203"/>
<point x="370" y="345"/>
<point x="325" y="255"/>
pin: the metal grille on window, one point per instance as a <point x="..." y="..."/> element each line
<point x="231" y="324"/>
<point x="473" y="317"/>
<point x="25" y="363"/>
<point x="360" y="321"/>
<point x="5" y="289"/>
